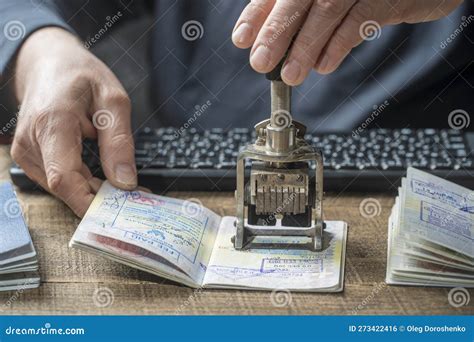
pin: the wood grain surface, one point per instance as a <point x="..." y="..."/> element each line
<point x="76" y="282"/>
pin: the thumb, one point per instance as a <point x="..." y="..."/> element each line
<point x="112" y="121"/>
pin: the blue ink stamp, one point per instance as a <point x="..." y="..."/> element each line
<point x="280" y="265"/>
<point x="438" y="192"/>
<point x="445" y="219"/>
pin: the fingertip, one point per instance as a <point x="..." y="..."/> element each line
<point x="323" y="71"/>
<point x="54" y="180"/>
<point x="260" y="59"/>
<point x="81" y="208"/>
<point x="126" y="176"/>
<point x="77" y="194"/>
<point x="292" y="73"/>
<point x="250" y="22"/>
<point x="243" y="35"/>
<point x="144" y="189"/>
<point x="95" y="184"/>
<point x="291" y="83"/>
<point x="327" y="65"/>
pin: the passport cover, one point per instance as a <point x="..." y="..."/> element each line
<point x="15" y="238"/>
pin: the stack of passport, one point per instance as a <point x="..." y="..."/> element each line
<point x="431" y="232"/>
<point x="18" y="261"/>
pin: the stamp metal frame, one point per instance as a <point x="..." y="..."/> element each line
<point x="302" y="152"/>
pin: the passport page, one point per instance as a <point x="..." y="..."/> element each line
<point x="148" y="229"/>
<point x="438" y="211"/>
<point x="289" y="268"/>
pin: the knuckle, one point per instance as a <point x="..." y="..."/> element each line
<point x="118" y="98"/>
<point x="80" y="77"/>
<point x="54" y="183"/>
<point x="48" y="122"/>
<point x="399" y="11"/>
<point x="275" y="30"/>
<point x="304" y="42"/>
<point x="303" y="48"/>
<point x="77" y="86"/>
<point x="121" y="140"/>
<point x="258" y="7"/>
<point x="54" y="176"/>
<point x="342" y="42"/>
<point x="293" y="6"/>
<point x="17" y="152"/>
<point x="361" y="12"/>
<point x="42" y="123"/>
<point x="329" y="8"/>
<point x="398" y="14"/>
<point x="21" y="140"/>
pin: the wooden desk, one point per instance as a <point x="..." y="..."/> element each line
<point x="71" y="277"/>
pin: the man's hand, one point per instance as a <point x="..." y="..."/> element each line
<point x="325" y="31"/>
<point x="67" y="94"/>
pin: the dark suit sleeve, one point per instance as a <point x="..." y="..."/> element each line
<point x="85" y="18"/>
<point x="20" y="18"/>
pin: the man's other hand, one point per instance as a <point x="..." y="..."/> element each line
<point x="66" y="95"/>
<point x="325" y="31"/>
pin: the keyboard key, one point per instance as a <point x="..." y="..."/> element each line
<point x="381" y="149"/>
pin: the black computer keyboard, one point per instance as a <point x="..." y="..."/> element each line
<point x="373" y="161"/>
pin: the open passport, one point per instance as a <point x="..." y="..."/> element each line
<point x="431" y="233"/>
<point x="188" y="243"/>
